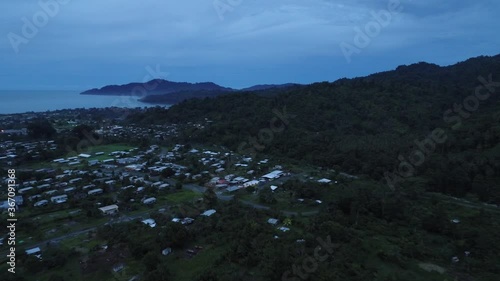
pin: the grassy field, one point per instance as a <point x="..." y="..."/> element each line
<point x="187" y="269"/>
<point x="181" y="197"/>
<point x="283" y="203"/>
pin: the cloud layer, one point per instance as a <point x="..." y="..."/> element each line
<point x="237" y="43"/>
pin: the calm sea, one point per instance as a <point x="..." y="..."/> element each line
<point x="40" y="101"/>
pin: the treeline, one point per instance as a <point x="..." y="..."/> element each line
<point x="374" y="125"/>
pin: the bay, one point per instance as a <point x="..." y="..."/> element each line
<point x="41" y="101"/>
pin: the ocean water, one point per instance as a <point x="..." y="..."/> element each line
<point x="41" y="101"/>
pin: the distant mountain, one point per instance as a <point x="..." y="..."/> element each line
<point x="268" y="86"/>
<point x="156" y="87"/>
<point x="168" y="92"/>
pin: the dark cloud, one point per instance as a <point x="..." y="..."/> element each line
<point x="92" y="43"/>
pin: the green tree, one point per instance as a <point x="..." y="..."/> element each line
<point x="41" y="128"/>
<point x="210" y="198"/>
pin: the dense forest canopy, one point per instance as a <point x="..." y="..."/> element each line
<point x="381" y="125"/>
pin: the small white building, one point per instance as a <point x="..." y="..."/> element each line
<point x="149" y="222"/>
<point x="273" y="175"/>
<point x="43" y="186"/>
<point x="24" y="190"/>
<point x="34" y="252"/>
<point x="284" y="229"/>
<point x="59" y="199"/>
<point x="149" y="201"/>
<point x="165" y="185"/>
<point x="41" y="203"/>
<point x="95" y="191"/>
<point x="166" y="251"/>
<point x="109" y="210"/>
<point x="75" y="180"/>
<point x="208" y="213"/>
<point x="273" y="221"/>
<point x="251" y="183"/>
<point x="324" y="181"/>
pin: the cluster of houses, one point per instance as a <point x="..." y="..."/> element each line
<point x="80" y="181"/>
<point x="12" y="151"/>
<point x="232" y="182"/>
<point x="155" y="132"/>
<point x="187" y="220"/>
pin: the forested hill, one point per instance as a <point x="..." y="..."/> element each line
<point x="364" y="125"/>
<point x="156" y="87"/>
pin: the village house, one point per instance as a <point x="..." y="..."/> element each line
<point x="149" y="201"/>
<point x="251" y="183"/>
<point x="59" y="199"/>
<point x="208" y="213"/>
<point x="149" y="222"/>
<point x="273" y="221"/>
<point x="273" y="175"/>
<point x="34" y="252"/>
<point x="95" y="191"/>
<point x="109" y="210"/>
<point x="41" y="203"/>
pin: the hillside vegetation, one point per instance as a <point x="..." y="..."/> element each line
<point x="380" y="125"/>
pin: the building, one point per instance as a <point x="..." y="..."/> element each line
<point x="75" y="180"/>
<point x="35" y="252"/>
<point x="43" y="186"/>
<point x="166" y="251"/>
<point x="24" y="190"/>
<point x="284" y="229"/>
<point x="95" y="191"/>
<point x="50" y="192"/>
<point x="273" y="221"/>
<point x="109" y="210"/>
<point x="150" y="222"/>
<point x="149" y="201"/>
<point x="208" y="213"/>
<point x="118" y="267"/>
<point x="186" y="221"/>
<point x="59" y="199"/>
<point x="41" y="203"/>
<point x="251" y="183"/>
<point x="273" y="175"/>
<point x="165" y="185"/>
<point x="233" y="188"/>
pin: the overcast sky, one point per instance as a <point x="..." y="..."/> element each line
<point x="234" y="43"/>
